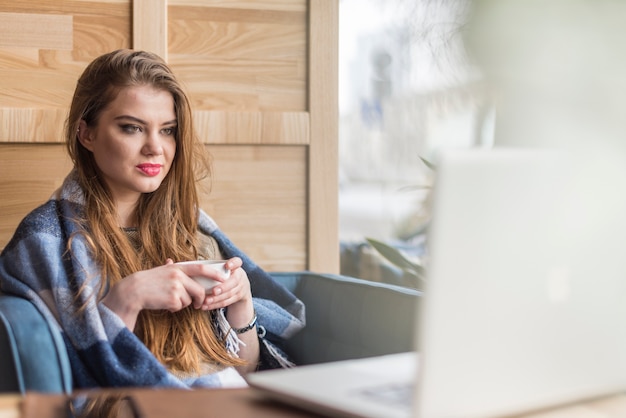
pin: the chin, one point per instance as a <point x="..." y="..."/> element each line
<point x="151" y="188"/>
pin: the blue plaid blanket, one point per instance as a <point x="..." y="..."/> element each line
<point x="103" y="352"/>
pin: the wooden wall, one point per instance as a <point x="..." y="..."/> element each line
<point x="262" y="79"/>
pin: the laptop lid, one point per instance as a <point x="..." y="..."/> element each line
<point x="526" y="297"/>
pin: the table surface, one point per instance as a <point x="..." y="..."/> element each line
<point x="246" y="403"/>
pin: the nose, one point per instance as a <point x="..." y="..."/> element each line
<point x="153" y="143"/>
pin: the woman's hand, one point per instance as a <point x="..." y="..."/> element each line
<point x="232" y="292"/>
<point x="235" y="294"/>
<point x="167" y="287"/>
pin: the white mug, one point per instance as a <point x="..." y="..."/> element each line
<point x="206" y="282"/>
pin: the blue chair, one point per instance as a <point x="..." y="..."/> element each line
<point x="32" y="354"/>
<point x="346" y="318"/>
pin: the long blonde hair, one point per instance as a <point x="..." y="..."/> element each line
<point x="167" y="218"/>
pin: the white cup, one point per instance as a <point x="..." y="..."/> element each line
<point x="206" y="282"/>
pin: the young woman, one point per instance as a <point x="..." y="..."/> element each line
<point x="99" y="257"/>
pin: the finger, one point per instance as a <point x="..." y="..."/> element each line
<point x="169" y="261"/>
<point x="232" y="286"/>
<point x="177" y="291"/>
<point x="235" y="281"/>
<point x="179" y="301"/>
<point x="221" y="298"/>
<point x="226" y="286"/>
<point x="234" y="263"/>
<point x="194" y="290"/>
<point x="212" y="303"/>
<point x="215" y="299"/>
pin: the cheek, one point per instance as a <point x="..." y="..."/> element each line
<point x="108" y="145"/>
<point x="113" y="156"/>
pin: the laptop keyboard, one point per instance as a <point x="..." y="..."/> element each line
<point x="394" y="393"/>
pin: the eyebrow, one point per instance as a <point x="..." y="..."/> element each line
<point x="140" y="121"/>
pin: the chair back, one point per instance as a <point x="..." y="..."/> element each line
<point x="32" y="353"/>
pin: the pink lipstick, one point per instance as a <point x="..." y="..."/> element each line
<point x="150" y="169"/>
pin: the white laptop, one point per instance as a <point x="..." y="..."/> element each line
<point x="525" y="306"/>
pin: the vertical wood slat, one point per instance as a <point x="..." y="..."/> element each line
<point x="323" y="203"/>
<point x="150" y="26"/>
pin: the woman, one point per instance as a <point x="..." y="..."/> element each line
<point x="98" y="258"/>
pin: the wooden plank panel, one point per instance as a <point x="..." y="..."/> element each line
<point x="242" y="15"/>
<point x="150" y="26"/>
<point x="284" y="5"/>
<point x="19" y="58"/>
<point x="240" y="60"/>
<point x="232" y="39"/>
<point x="323" y="156"/>
<point x="239" y="85"/>
<point x="257" y="195"/>
<point x="120" y="8"/>
<point x="98" y="34"/>
<point x="36" y="88"/>
<point x="34" y="30"/>
<point x="32" y="125"/>
<point x="252" y="127"/>
<point x="29" y="174"/>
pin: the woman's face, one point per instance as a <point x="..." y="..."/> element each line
<point x="133" y="142"/>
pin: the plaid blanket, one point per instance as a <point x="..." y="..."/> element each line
<point x="102" y="350"/>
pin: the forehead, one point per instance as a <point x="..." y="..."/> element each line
<point x="143" y="100"/>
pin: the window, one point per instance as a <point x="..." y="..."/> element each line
<point x="405" y="91"/>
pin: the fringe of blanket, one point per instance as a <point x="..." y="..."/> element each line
<point x="226" y="332"/>
<point x="233" y="343"/>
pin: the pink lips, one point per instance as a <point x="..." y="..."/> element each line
<point x="150" y="169"/>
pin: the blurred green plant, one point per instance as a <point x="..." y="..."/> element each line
<point x="413" y="270"/>
<point x="428" y="164"/>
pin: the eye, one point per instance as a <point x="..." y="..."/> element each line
<point x="131" y="129"/>
<point x="169" y="131"/>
